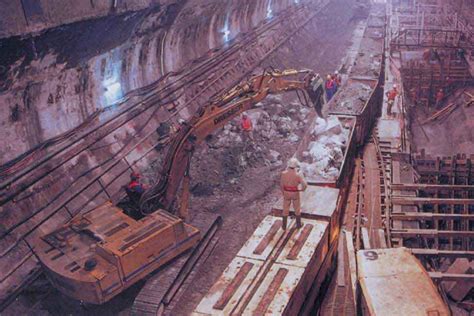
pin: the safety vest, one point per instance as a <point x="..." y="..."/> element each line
<point x="135" y="186"/>
<point x="392" y="94"/>
<point x="247" y="124"/>
<point x="329" y="84"/>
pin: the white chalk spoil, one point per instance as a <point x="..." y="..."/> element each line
<point x="323" y="158"/>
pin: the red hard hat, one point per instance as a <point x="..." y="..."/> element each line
<point x="135" y="175"/>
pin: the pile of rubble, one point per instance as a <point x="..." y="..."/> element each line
<point x="352" y="98"/>
<point x="325" y="152"/>
<point x="273" y="122"/>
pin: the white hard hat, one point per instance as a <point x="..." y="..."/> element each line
<point x="395" y="86"/>
<point x="293" y="163"/>
<point x="336" y="72"/>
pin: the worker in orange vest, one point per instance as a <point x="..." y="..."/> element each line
<point x="391" y="96"/>
<point x="439" y="97"/>
<point x="247" y="128"/>
<point x="291" y="184"/>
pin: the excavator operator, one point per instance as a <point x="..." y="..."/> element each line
<point x="247" y="128"/>
<point x="291" y="184"/>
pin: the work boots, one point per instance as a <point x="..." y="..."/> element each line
<point x="285" y="221"/>
<point x="298" y="221"/>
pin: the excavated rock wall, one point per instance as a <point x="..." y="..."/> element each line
<point x="51" y="83"/>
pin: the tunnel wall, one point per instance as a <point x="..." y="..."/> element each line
<point x="45" y="93"/>
<point x="20" y="17"/>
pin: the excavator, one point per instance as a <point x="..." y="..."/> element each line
<point x="215" y="115"/>
<point x="100" y="253"/>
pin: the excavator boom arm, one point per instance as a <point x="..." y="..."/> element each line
<point x="218" y="113"/>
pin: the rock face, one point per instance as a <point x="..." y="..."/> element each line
<point x="53" y="82"/>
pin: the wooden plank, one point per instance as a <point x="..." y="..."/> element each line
<point x="365" y="238"/>
<point x="233" y="286"/>
<point x="439" y="276"/>
<point x="430" y="187"/>
<point x="431" y="233"/>
<point x="408" y="200"/>
<point x="299" y="243"/>
<point x="383" y="242"/>
<point x="341" y="278"/>
<point x="352" y="265"/>
<point x="268" y="238"/>
<point x="271" y="292"/>
<point x="443" y="253"/>
<point x="410" y="216"/>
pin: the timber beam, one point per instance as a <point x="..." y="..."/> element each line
<point x="431" y="187"/>
<point x="410" y="200"/>
<point x="433" y="233"/>
<point x="414" y="216"/>
<point x="439" y="276"/>
<point x="442" y="253"/>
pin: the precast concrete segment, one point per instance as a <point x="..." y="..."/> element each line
<point x="397" y="274"/>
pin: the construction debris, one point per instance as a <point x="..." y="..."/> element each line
<point x="443" y="113"/>
<point x="325" y="151"/>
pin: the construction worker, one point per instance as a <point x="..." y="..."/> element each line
<point x="391" y="96"/>
<point x="439" y="97"/>
<point x="330" y="88"/>
<point x="291" y="184"/>
<point x="337" y="79"/>
<point x="134" y="186"/>
<point x="134" y="190"/>
<point x="247" y="128"/>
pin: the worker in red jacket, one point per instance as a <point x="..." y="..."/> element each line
<point x="330" y="87"/>
<point x="246" y="126"/>
<point x="439" y="97"/>
<point x="391" y="96"/>
<point x="134" y="186"/>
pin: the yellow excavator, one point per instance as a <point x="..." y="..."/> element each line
<point x="100" y="253"/>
